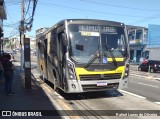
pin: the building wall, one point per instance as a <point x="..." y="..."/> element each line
<point x="137" y="37"/>
<point x="144" y="43"/>
<point x="153" y="44"/>
<point x="154" y="54"/>
<point x="153" y="36"/>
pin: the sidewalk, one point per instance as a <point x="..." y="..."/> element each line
<point x="24" y="99"/>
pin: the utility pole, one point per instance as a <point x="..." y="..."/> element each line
<point x="25" y="51"/>
<point x="22" y="35"/>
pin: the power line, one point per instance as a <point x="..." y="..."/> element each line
<point x="9" y="16"/>
<point x="93" y="2"/>
<point x="28" y="7"/>
<point x="146" y="19"/>
<point x="28" y="21"/>
<point x="31" y="18"/>
<point x="13" y="3"/>
<point x="92" y="11"/>
<point x="10" y="25"/>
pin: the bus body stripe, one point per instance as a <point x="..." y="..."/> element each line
<point x="83" y="71"/>
<point x="117" y="59"/>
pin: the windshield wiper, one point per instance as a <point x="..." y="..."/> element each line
<point x="95" y="56"/>
<point x="73" y="60"/>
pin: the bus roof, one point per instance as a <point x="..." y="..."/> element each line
<point x="86" y="21"/>
<point x="92" y="21"/>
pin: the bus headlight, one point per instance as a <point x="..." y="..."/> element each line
<point x="71" y="72"/>
<point x="126" y="72"/>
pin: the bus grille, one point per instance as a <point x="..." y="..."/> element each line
<point x="100" y="77"/>
<point x="94" y="87"/>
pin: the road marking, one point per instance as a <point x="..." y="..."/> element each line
<point x="148" y="77"/>
<point x="157" y="79"/>
<point x="157" y="103"/>
<point x="148" y="85"/>
<point x="133" y="94"/>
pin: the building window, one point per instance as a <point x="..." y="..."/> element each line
<point x="139" y="34"/>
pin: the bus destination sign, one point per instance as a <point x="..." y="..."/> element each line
<point x="93" y="28"/>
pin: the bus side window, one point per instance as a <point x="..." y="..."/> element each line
<point x="41" y="49"/>
<point x="53" y="43"/>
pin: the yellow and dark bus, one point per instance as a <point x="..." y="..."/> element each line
<point x="84" y="55"/>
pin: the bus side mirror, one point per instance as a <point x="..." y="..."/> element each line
<point x="64" y="39"/>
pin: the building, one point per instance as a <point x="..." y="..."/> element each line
<point x="153" y="36"/>
<point x="137" y="37"/>
<point x="2" y="17"/>
<point x="41" y="30"/>
<point x="153" y="44"/>
<point x="14" y="42"/>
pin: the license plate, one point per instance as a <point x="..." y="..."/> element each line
<point x="101" y="83"/>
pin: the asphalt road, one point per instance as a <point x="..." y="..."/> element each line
<point x="144" y="84"/>
<point x="117" y="102"/>
<point x="148" y="88"/>
<point x="107" y="100"/>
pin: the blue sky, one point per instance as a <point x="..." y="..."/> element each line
<point x="49" y="12"/>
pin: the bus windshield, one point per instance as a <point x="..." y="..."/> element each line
<point x="88" y="41"/>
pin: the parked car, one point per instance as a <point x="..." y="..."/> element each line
<point x="149" y="65"/>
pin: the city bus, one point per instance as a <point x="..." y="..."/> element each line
<point x="84" y="55"/>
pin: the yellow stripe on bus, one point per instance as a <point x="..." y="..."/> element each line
<point x="117" y="59"/>
<point x="83" y="71"/>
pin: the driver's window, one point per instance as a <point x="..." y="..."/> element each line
<point x="121" y="43"/>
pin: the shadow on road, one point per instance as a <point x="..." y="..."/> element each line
<point x="87" y="95"/>
<point x="91" y="95"/>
